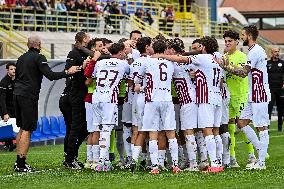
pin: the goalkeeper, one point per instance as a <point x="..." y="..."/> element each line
<point x="238" y="88"/>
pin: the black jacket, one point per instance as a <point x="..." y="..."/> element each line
<point x="6" y="96"/>
<point x="30" y="69"/>
<point x="275" y="71"/>
<point x="76" y="57"/>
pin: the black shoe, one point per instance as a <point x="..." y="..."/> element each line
<point x="111" y="157"/>
<point x="73" y="165"/>
<point x="12" y="147"/>
<point x="279" y="128"/>
<point x="133" y="166"/>
<point x="143" y="164"/>
<point x="79" y="163"/>
<point x="25" y="169"/>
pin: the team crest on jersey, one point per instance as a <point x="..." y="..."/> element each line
<point x="279" y="64"/>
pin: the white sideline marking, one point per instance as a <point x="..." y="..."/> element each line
<point x="26" y="174"/>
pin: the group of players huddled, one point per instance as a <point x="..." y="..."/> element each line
<point x="180" y="109"/>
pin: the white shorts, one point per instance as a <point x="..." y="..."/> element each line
<point x="89" y="118"/>
<point x="154" y="111"/>
<point x="188" y="116"/>
<point x="127" y="113"/>
<point x="209" y="115"/>
<point x="140" y="110"/>
<point x="177" y="116"/>
<point x="134" y="110"/>
<point x="257" y="112"/>
<point x="225" y="112"/>
<point x="105" y="113"/>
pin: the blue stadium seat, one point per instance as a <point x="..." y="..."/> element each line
<point x="55" y="130"/>
<point x="37" y="134"/>
<point x="46" y="129"/>
<point x="62" y="125"/>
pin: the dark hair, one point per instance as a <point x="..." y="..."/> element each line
<point x="159" y="46"/>
<point x="80" y="36"/>
<point x="210" y="44"/>
<point x="251" y="30"/>
<point x="159" y="37"/>
<point x="135" y="31"/>
<point x="142" y="43"/>
<point x="116" y="48"/>
<point x="10" y="64"/>
<point x="196" y="41"/>
<point x="122" y="40"/>
<point x="231" y="34"/>
<point x="93" y="42"/>
<point x="106" y="41"/>
<point x="177" y="44"/>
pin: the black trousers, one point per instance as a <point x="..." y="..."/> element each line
<point x="66" y="109"/>
<point x="276" y="97"/>
<point x="78" y="129"/>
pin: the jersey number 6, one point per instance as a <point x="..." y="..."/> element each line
<point x="163" y="75"/>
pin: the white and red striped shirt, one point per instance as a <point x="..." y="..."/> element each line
<point x="208" y="78"/>
<point x="158" y="73"/>
<point x="184" y="85"/>
<point x="108" y="73"/>
<point x="258" y="78"/>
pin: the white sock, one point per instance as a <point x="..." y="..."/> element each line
<point x="191" y="147"/>
<point x="89" y="153"/>
<point x="132" y="147"/>
<point x="153" y="149"/>
<point x="173" y="147"/>
<point x="266" y="136"/>
<point x="105" y="142"/>
<point x="251" y="135"/>
<point x="127" y="145"/>
<point x="264" y="146"/>
<point x="202" y="146"/>
<point x="119" y="144"/>
<point x="162" y="157"/>
<point x="136" y="152"/>
<point x="219" y="148"/>
<point x="96" y="153"/>
<point x="211" y="148"/>
<point x="226" y="148"/>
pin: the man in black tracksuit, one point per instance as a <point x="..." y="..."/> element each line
<point x="65" y="108"/>
<point x="275" y="69"/>
<point x="7" y="109"/>
<point x="30" y="68"/>
<point x="78" y="128"/>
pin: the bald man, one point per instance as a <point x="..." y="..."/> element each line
<point x="31" y="67"/>
<point x="275" y="69"/>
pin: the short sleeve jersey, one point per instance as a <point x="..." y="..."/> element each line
<point x="208" y="79"/>
<point x="183" y="83"/>
<point x="258" y="77"/>
<point x="137" y="67"/>
<point x="108" y="73"/>
<point x="159" y="75"/>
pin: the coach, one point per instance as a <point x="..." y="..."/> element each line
<point x="30" y="68"/>
<point x="275" y="69"/>
<point x="78" y="128"/>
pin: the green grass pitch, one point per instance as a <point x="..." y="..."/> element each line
<point x="48" y="159"/>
